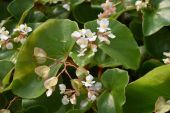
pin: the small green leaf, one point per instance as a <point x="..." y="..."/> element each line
<point x="118" y="79"/>
<point x="107" y="104"/>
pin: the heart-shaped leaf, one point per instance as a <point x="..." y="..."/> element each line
<point x="54" y="37"/>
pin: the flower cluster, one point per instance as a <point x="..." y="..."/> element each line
<point x="109" y="8"/>
<point x="140" y="4"/>
<point x="92" y="87"/>
<point x="4" y="39"/>
<point x="104" y="32"/>
<point x="166" y="60"/>
<point x="69" y="95"/>
<point x="23" y="31"/>
<point x="85" y="38"/>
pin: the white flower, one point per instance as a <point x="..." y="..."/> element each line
<point x="4" y="34"/>
<point x="62" y="88"/>
<point x="140" y="4"/>
<point x="107" y="5"/>
<point x="166" y="60"/>
<point x="50" y="85"/>
<point x="66" y="6"/>
<point x="73" y="99"/>
<point x="9" y="45"/>
<point x="167" y="54"/>
<point x="82" y="52"/>
<point x="90" y="36"/>
<point x="82" y="42"/>
<point x="91" y="96"/>
<point x="89" y="81"/>
<point x="23" y="28"/>
<point x="65" y="100"/>
<point x="103" y="25"/>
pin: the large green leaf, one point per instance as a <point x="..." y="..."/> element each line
<point x="18" y="7"/>
<point x="156" y="17"/>
<point x="158" y="43"/>
<point x="142" y="94"/>
<point x="112" y="100"/>
<point x="54" y="36"/>
<point x="123" y="48"/>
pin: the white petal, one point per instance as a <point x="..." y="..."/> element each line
<point x="65" y="100"/>
<point x="98" y="86"/>
<point x="91" y="96"/>
<point x="76" y="34"/>
<point x="111" y="35"/>
<point x="62" y="88"/>
<point x="89" y="77"/>
<point x="49" y="92"/>
<point x="82" y="42"/>
<point x="73" y="99"/>
<point x="67" y="7"/>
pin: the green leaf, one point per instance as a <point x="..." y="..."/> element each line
<point x="5" y="67"/>
<point x="158" y="43"/>
<point x="106" y="104"/>
<point x="118" y="80"/>
<point x="18" y="7"/>
<point x="156" y="17"/>
<point x="54" y="37"/>
<point x="84" y="12"/>
<point x="123" y="48"/>
<point x="52" y="103"/>
<point x="142" y="94"/>
<point x="3" y="11"/>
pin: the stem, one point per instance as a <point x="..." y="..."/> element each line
<point x="100" y="69"/>
<point x="12" y="101"/>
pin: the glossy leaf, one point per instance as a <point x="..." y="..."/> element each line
<point x="123" y="48"/>
<point x="81" y="15"/>
<point x="18" y="7"/>
<point x="54" y="37"/>
<point x="158" y="43"/>
<point x="156" y="17"/>
<point x="142" y="94"/>
<point x="118" y="80"/>
<point x="107" y="104"/>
